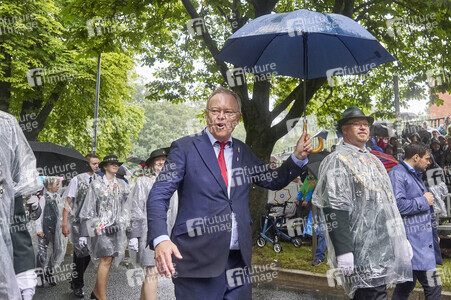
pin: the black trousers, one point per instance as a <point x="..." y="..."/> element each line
<point x="429" y="281"/>
<point x="375" y="293"/>
<point x="81" y="263"/>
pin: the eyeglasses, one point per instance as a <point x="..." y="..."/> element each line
<point x="228" y="113"/>
<point x="359" y="124"/>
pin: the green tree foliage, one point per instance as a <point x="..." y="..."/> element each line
<point x="61" y="38"/>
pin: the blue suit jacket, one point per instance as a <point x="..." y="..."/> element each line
<point x="419" y="218"/>
<point x="202" y="229"/>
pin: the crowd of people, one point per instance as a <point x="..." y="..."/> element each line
<point x="202" y="182"/>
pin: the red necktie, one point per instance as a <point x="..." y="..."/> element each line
<point x="222" y="163"/>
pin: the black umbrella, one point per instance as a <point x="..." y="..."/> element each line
<point x="54" y="160"/>
<point x="136" y="160"/>
<point x="382" y="128"/>
<point x="314" y="160"/>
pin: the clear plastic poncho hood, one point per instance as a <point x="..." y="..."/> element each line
<point x="357" y="182"/>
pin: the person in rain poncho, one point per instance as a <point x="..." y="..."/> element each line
<point x="138" y="231"/>
<point x="415" y="204"/>
<point x="18" y="178"/>
<point x="104" y="217"/>
<point x="367" y="244"/>
<point x="48" y="228"/>
<point x="75" y="197"/>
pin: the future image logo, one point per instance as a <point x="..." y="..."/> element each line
<point x="209" y="225"/>
<point x="236" y="77"/>
<point x="347" y="71"/>
<point x="256" y="274"/>
<point x="435" y="176"/>
<point x="39" y="76"/>
<point x="196" y="27"/>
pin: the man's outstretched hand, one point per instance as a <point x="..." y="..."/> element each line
<point x="303" y="147"/>
<point x="163" y="259"/>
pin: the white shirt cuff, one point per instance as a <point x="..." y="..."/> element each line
<point x="160" y="239"/>
<point x="298" y="162"/>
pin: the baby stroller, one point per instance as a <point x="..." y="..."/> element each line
<point x="272" y="226"/>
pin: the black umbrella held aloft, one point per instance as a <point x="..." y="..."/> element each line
<point x="55" y="160"/>
<point x="314" y="160"/>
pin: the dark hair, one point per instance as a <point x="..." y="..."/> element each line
<point x="413" y="149"/>
<point x="90" y="155"/>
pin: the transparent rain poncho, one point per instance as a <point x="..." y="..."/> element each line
<point x="18" y="176"/>
<point x="50" y="222"/>
<point x="82" y="185"/>
<point x="138" y="225"/>
<point x="440" y="191"/>
<point x="104" y="217"/>
<point x="357" y="182"/>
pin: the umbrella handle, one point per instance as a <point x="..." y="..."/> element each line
<point x="320" y="141"/>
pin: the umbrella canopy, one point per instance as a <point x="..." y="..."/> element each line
<point x="54" y="160"/>
<point x="382" y="128"/>
<point x="314" y="160"/>
<point x="408" y="115"/>
<point x="304" y="44"/>
<point x="136" y="160"/>
<point x="331" y="134"/>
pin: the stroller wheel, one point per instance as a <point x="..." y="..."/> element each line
<point x="297" y="242"/>
<point x="261" y="242"/>
<point x="277" y="247"/>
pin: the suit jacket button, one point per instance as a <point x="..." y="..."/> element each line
<point x="430" y="246"/>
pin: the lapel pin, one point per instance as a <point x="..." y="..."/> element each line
<point x="237" y="159"/>
<point x="238" y="149"/>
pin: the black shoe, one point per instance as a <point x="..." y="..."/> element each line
<point x="79" y="293"/>
<point x="93" y="296"/>
<point x="317" y="262"/>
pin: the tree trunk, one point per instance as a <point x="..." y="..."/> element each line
<point x="5" y="87"/>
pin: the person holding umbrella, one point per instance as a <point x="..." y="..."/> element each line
<point x="138" y="224"/>
<point x="367" y="243"/>
<point x="104" y="217"/>
<point x="75" y="197"/>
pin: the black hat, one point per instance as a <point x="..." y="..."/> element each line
<point x="351" y="113"/>
<point x="155" y="154"/>
<point x="109" y="159"/>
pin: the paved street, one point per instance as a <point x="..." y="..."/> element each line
<point x="122" y="287"/>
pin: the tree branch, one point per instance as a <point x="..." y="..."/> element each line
<point x="279" y="108"/>
<point x="366" y="4"/>
<point x="280" y="129"/>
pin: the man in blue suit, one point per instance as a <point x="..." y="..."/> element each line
<point x="210" y="247"/>
<point x="415" y="205"/>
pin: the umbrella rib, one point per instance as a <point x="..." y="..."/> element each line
<point x="266" y="46"/>
<point x="349" y="50"/>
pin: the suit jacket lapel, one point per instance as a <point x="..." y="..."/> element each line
<point x="207" y="153"/>
<point x="236" y="163"/>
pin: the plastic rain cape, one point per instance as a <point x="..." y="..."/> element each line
<point x="138" y="225"/>
<point x="18" y="176"/>
<point x="74" y="212"/>
<point x="60" y="242"/>
<point x="440" y="191"/>
<point x="106" y="210"/>
<point x="357" y="182"/>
